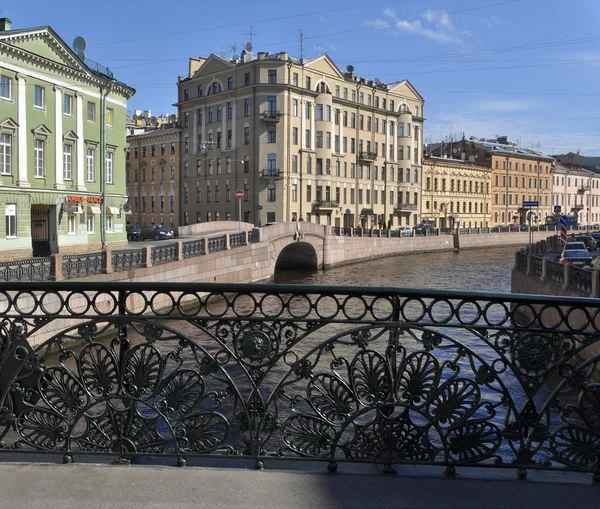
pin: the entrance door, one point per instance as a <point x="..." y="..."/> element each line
<point x="40" y="230"/>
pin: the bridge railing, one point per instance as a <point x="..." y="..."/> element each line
<point x="265" y="373"/>
<point x="32" y="269"/>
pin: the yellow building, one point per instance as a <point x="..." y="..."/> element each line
<point x="456" y="193"/>
<point x="302" y="139"/>
<point x="152" y="173"/>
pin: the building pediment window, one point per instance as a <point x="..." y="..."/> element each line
<point x="9" y="124"/>
<point x="70" y="136"/>
<point x="41" y="131"/>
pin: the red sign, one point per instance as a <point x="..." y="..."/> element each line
<point x="239" y="194"/>
<point x="89" y="199"/>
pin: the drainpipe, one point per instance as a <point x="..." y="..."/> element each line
<point x="103" y="95"/>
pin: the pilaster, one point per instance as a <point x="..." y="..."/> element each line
<point x="80" y="183"/>
<point x="22" y="177"/>
<point x="58" y="145"/>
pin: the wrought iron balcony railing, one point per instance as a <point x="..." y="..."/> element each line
<point x="367" y="156"/>
<point x="272" y="372"/>
<point x="405" y="206"/>
<point x="325" y="204"/>
<point x="271" y="173"/>
<point x="271" y="116"/>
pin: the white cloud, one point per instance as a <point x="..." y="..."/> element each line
<point x="504" y="105"/>
<point x="434" y="24"/>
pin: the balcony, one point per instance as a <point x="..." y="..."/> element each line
<point x="367" y="156"/>
<point x="270" y="116"/>
<point x="325" y="204"/>
<point x="405" y="207"/>
<point x="271" y="173"/>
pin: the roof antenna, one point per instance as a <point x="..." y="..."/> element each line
<point x="301" y="46"/>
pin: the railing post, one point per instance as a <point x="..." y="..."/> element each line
<point x="544" y="268"/>
<point x="107" y="261"/>
<point x="529" y="264"/>
<point x="147" y="257"/>
<point x="56" y="273"/>
<point x="566" y="275"/>
<point x="227" y="241"/>
<point x="595" y="284"/>
<point x="179" y="250"/>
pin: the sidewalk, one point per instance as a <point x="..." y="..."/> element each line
<point x="42" y="486"/>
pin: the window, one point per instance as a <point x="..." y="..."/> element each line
<point x="272" y="105"/>
<point x="319" y="112"/>
<point x="229" y="83"/>
<point x="91" y="167"/>
<point x="210" y="115"/>
<point x="295" y="79"/>
<point x="219" y="112"/>
<point x="11" y="219"/>
<point x="72" y="224"/>
<point x="5" y="154"/>
<point x="246" y="79"/>
<point x="110" y="156"/>
<point x="91" y="223"/>
<point x="186" y="94"/>
<point x="109" y="116"/>
<point x="186" y="119"/>
<point x="91" y="111"/>
<point x="110" y="220"/>
<point x="5" y="88"/>
<point x="272" y="76"/>
<point x="294" y="164"/>
<point x="271" y="194"/>
<point x="38" y="158"/>
<point x="68" y="105"/>
<point x="199" y="90"/>
<point x="171" y="203"/>
<point x="295" y="135"/>
<point x="229" y="110"/>
<point x="346" y="94"/>
<point x="247" y="108"/>
<point x="246" y="136"/>
<point x="39" y="97"/>
<point x="308" y="82"/>
<point x="67" y="162"/>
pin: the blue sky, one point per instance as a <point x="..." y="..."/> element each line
<point x="528" y="69"/>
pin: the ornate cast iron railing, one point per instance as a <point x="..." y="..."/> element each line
<point x="253" y="236"/>
<point x="237" y="239"/>
<point x="127" y="260"/>
<point x="193" y="248"/>
<point x="580" y="280"/>
<point x="217" y="243"/>
<point x="32" y="269"/>
<point x="268" y="372"/>
<point x="521" y="261"/>
<point x="83" y="264"/>
<point x="555" y="272"/>
<point x="164" y="254"/>
<point x="536" y="266"/>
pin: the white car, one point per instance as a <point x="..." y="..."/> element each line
<point x="406" y="231"/>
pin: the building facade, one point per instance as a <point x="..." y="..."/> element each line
<point x="152" y="176"/>
<point x="301" y="139"/>
<point x="519" y="175"/>
<point x="62" y="129"/>
<point x="456" y="193"/>
<point x="576" y="191"/>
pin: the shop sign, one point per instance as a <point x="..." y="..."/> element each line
<point x="89" y="199"/>
<point x="70" y="206"/>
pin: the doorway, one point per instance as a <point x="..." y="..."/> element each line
<point x="43" y="230"/>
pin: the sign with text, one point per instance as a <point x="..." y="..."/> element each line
<point x="89" y="199"/>
<point x="531" y="204"/>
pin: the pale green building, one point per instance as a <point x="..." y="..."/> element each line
<point x="62" y="148"/>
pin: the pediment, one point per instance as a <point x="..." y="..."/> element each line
<point x="41" y="130"/>
<point x="324" y="65"/>
<point x="214" y="64"/>
<point x="406" y="89"/>
<point x="70" y="135"/>
<point x="8" y="123"/>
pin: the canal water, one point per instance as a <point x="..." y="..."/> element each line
<point x="483" y="270"/>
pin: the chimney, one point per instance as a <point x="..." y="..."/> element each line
<point x="261" y="55"/>
<point x="5" y="24"/>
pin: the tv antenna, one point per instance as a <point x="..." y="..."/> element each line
<point x="301" y="45"/>
<point x="79" y="45"/>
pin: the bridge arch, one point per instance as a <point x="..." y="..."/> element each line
<point x="295" y="245"/>
<point x="298" y="255"/>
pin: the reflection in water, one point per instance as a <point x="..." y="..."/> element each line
<point x="486" y="270"/>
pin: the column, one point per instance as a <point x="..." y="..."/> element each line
<point x="22" y="180"/>
<point x="341" y="131"/>
<point x="303" y="107"/>
<point x="332" y="129"/>
<point x="233" y="126"/>
<point x="80" y="186"/>
<point x="387" y="141"/>
<point x="58" y="111"/>
<point x="395" y="142"/>
<point x="224" y="125"/>
<point x="203" y="127"/>
<point x="313" y="134"/>
<point x="195" y="146"/>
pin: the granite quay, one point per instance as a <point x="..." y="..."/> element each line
<point x="260" y="374"/>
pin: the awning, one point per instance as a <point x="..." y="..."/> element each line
<point x="94" y="210"/>
<point x="367" y="212"/>
<point x="71" y="207"/>
<point x="79" y="210"/>
<point x="113" y="210"/>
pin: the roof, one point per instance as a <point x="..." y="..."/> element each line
<point x="495" y="147"/>
<point x="449" y="160"/>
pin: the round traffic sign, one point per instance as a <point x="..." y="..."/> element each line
<point x="239" y="194"/>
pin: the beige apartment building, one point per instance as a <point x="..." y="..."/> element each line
<point x="456" y="193"/>
<point x="576" y="191"/>
<point x="152" y="176"/>
<point x="302" y="140"/>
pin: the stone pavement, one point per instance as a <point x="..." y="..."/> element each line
<point x="85" y="486"/>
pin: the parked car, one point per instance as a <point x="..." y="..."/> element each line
<point x="574" y="245"/>
<point x="576" y="257"/>
<point x="134" y="232"/>
<point x="596" y="237"/>
<point x="515" y="227"/>
<point x="589" y="241"/>
<point x="406" y="231"/>
<point x="156" y="232"/>
<point x="422" y="229"/>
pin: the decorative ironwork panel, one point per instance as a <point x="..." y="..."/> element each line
<point x="268" y="372"/>
<point x="580" y="280"/>
<point x="127" y="260"/>
<point x="336" y="230"/>
<point x="253" y="236"/>
<point x="32" y="269"/>
<point x="237" y="239"/>
<point x="84" y="264"/>
<point x="521" y="261"/>
<point x="555" y="271"/>
<point x="217" y="243"/>
<point x="164" y="254"/>
<point x="394" y="233"/>
<point x="193" y="248"/>
<point x="536" y="266"/>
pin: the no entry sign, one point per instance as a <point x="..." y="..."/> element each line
<point x="239" y="194"/>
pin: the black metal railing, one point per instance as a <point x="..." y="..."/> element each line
<point x="32" y="269"/>
<point x="535" y="268"/>
<point x="271" y="372"/>
<point x="253" y="236"/>
<point x="521" y="261"/>
<point x="127" y="260"/>
<point x="555" y="271"/>
<point x="83" y="264"/>
<point x="580" y="280"/>
<point x="193" y="248"/>
<point x="164" y="254"/>
<point x="325" y="204"/>
<point x="237" y="239"/>
<point x="217" y="243"/>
